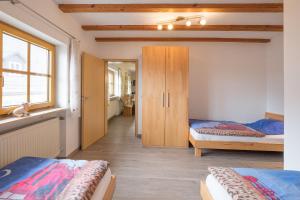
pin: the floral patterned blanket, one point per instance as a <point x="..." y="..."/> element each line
<point x="31" y="178"/>
<point x="224" y="128"/>
<point x="258" y="184"/>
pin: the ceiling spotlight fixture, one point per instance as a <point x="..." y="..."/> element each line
<point x="188" y="23"/>
<point x="170" y="27"/>
<point x="160" y="27"/>
<point x="202" y="21"/>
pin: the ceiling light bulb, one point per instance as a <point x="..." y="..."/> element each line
<point x="160" y="27"/>
<point x="202" y="21"/>
<point x="170" y="26"/>
<point x="188" y="23"/>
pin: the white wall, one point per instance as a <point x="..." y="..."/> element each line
<point x="227" y="81"/>
<point x="114" y="108"/>
<point x="18" y="16"/>
<point x="292" y="84"/>
<point x="275" y="75"/>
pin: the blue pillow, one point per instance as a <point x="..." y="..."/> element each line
<point x="268" y="126"/>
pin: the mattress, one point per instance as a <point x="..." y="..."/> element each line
<point x="216" y="189"/>
<point x="102" y="187"/>
<point x="270" y="139"/>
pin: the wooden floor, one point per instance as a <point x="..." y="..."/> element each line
<point x="163" y="174"/>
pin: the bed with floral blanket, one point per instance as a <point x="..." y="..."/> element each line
<point x="251" y="184"/>
<point x="41" y="178"/>
<point x="223" y="128"/>
<point x="262" y="135"/>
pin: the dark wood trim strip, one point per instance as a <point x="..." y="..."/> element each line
<point x="250" y="7"/>
<point x="163" y="39"/>
<point x="266" y="28"/>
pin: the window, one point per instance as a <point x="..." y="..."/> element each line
<point x="26" y="70"/>
<point x="111" y="83"/>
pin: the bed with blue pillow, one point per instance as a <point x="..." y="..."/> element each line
<point x="250" y="183"/>
<point x="262" y="135"/>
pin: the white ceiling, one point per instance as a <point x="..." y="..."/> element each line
<point x="154" y="18"/>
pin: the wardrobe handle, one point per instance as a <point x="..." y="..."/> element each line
<point x="168" y="100"/>
<point x="163" y="99"/>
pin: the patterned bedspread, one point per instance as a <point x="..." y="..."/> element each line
<point x="40" y="178"/>
<point x="224" y="128"/>
<point x="258" y="184"/>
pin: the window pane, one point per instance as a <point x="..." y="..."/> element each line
<point x="14" y="90"/>
<point x="110" y="77"/>
<point x="14" y="53"/>
<point x="39" y="59"/>
<point x="111" y="90"/>
<point x="111" y="83"/>
<point x="39" y="89"/>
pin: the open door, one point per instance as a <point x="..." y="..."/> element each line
<point x="93" y="100"/>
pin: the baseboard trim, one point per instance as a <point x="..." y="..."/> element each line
<point x="73" y="153"/>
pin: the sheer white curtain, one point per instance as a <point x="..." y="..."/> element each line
<point x="75" y="78"/>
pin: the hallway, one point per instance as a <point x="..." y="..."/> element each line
<point x="162" y="173"/>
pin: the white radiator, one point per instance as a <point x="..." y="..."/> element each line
<point x="40" y="140"/>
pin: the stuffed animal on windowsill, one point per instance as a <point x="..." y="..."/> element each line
<point x="21" y="111"/>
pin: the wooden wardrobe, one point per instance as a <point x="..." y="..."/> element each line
<point x="165" y="75"/>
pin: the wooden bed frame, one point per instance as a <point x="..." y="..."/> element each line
<point x="204" y="193"/>
<point x="110" y="189"/>
<point x="227" y="145"/>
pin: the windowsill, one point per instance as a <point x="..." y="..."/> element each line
<point x="33" y="114"/>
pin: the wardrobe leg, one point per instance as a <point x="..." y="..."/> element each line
<point x="198" y="152"/>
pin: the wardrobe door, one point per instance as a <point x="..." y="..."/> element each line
<point x="153" y="96"/>
<point x="177" y="75"/>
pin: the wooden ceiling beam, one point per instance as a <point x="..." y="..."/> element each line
<point x="123" y="8"/>
<point x="181" y="39"/>
<point x="277" y="28"/>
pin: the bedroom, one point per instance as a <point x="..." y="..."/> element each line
<point x="234" y="81"/>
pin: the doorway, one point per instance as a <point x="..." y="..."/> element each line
<point x="122" y="93"/>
